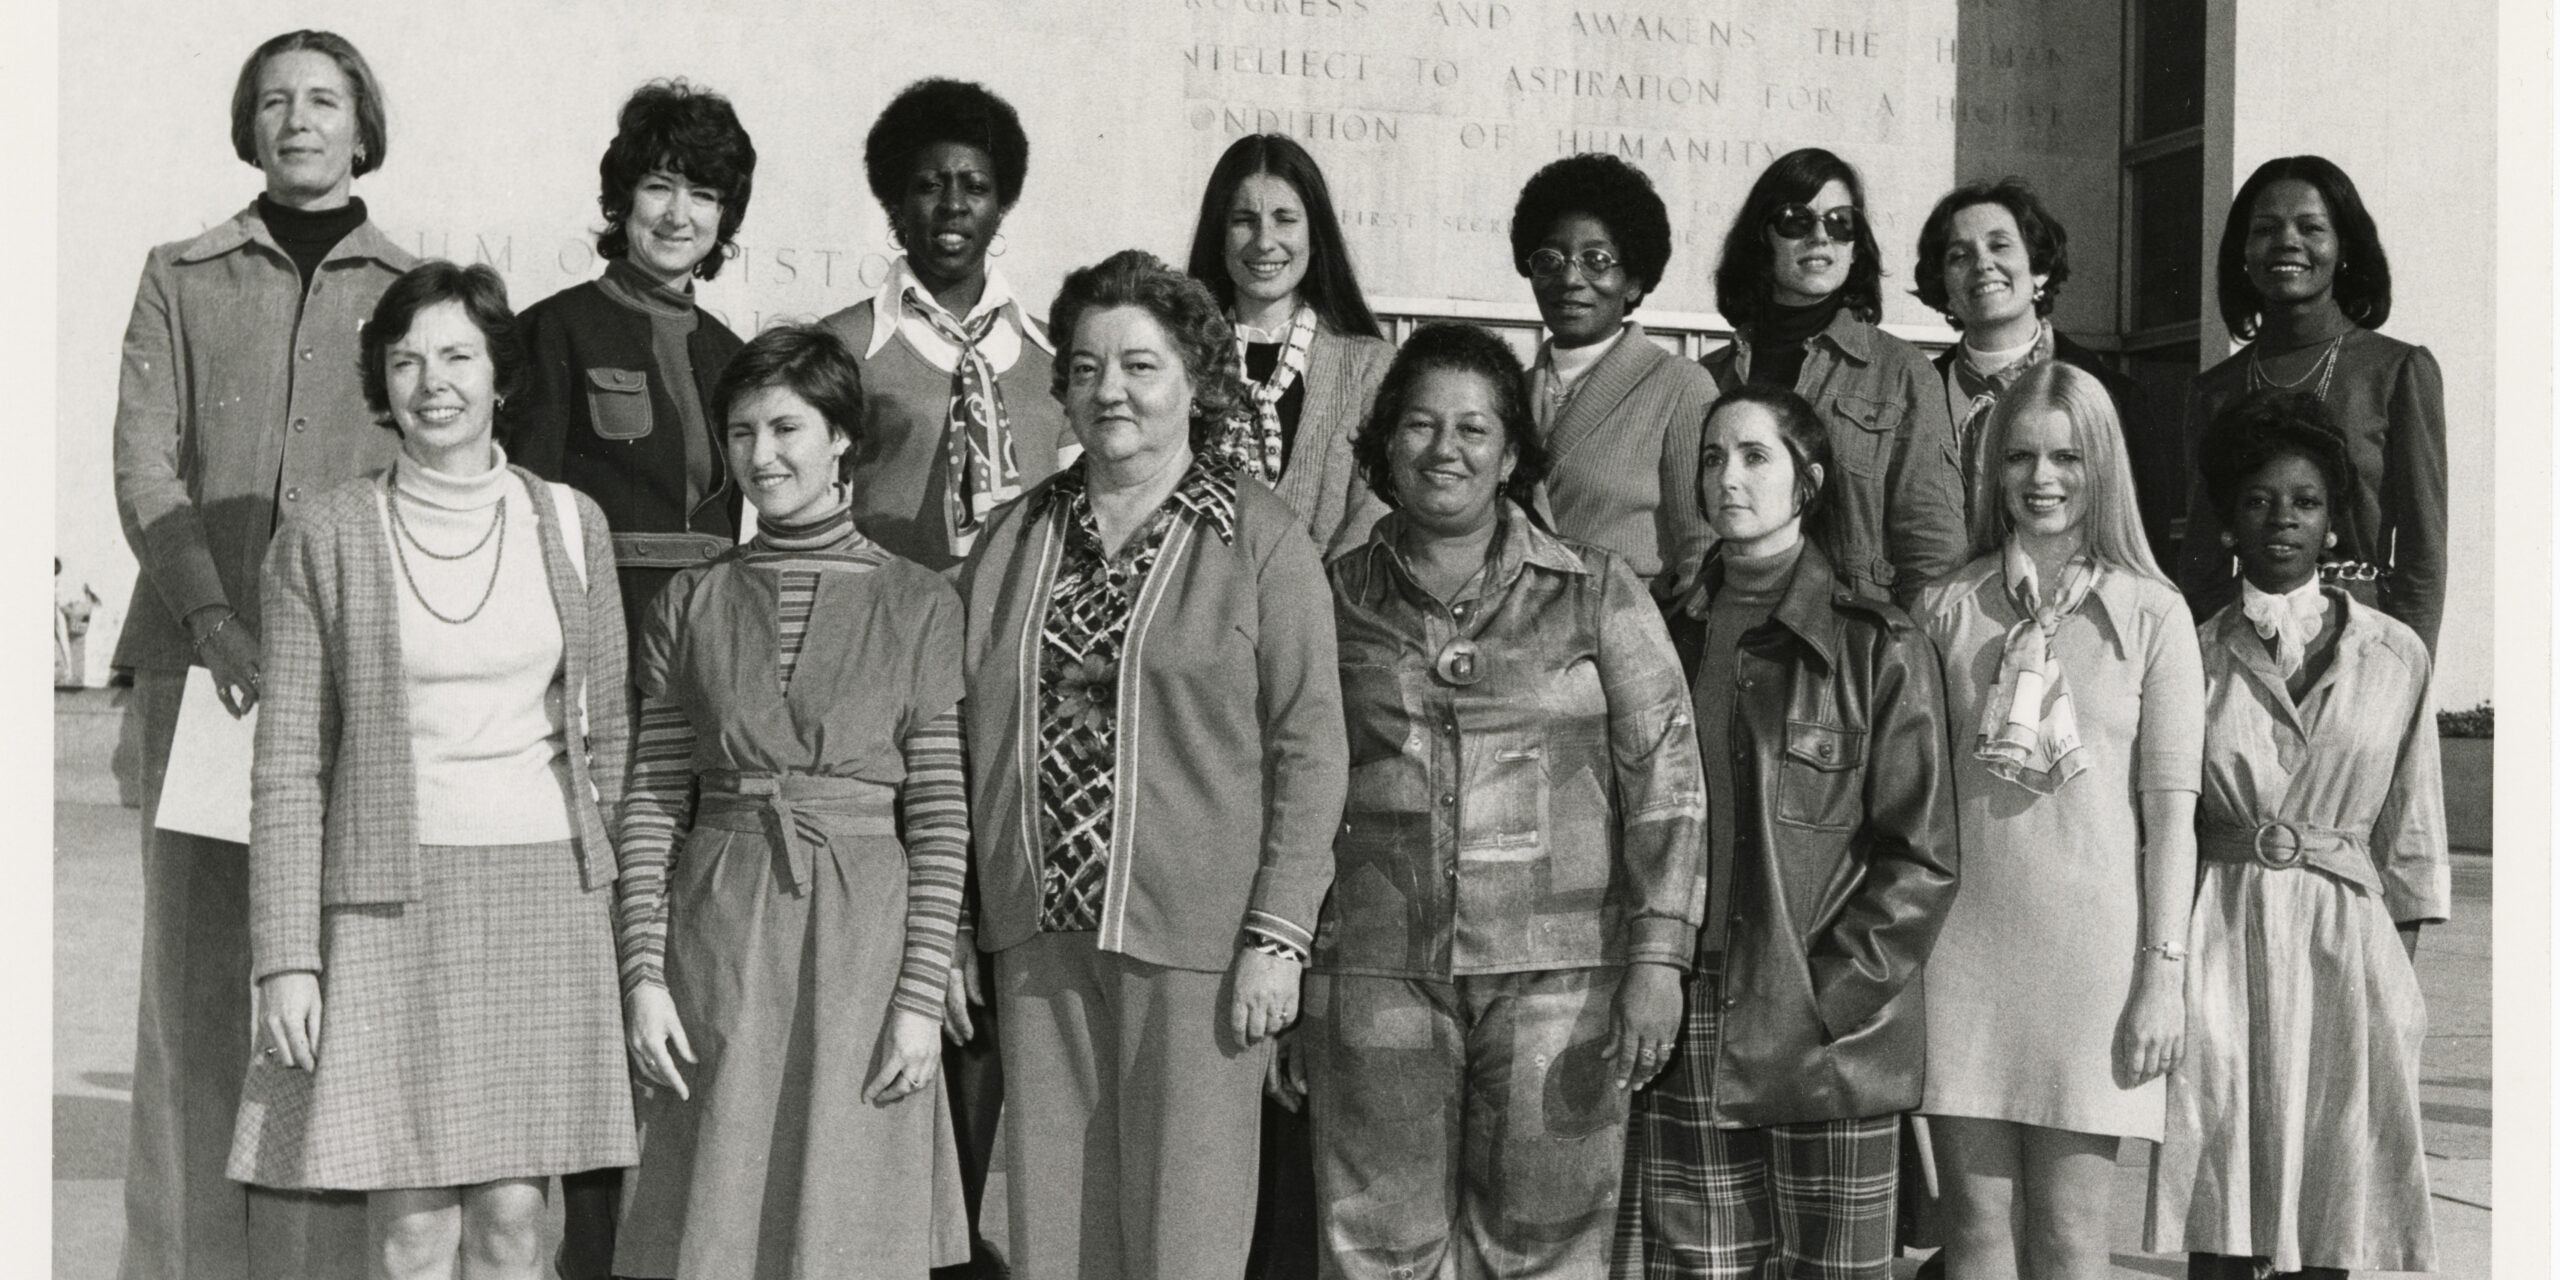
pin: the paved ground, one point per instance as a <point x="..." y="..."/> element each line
<point x="98" y="907"/>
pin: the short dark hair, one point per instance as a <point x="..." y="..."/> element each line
<point x="483" y="296"/>
<point x="686" y="130"/>
<point x="1331" y="287"/>
<point x="2048" y="245"/>
<point x="2265" y="425"/>
<point x="373" y="123"/>
<point x="810" y="362"/>
<point x="1800" y="429"/>
<point x="1604" y="187"/>
<point x="1744" y="289"/>
<point x="2363" y="282"/>
<point x="1456" y="348"/>
<point x="937" y="109"/>
<point x="1182" y="306"/>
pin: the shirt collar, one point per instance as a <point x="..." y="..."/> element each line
<point x="889" y="305"/>
<point x="246" y="227"/>
<point x="1518" y="543"/>
<point x="1851" y="336"/>
<point x="1207" y="491"/>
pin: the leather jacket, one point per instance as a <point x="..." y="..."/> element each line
<point x="1844" y="857"/>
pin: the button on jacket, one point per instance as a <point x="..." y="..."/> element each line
<point x="216" y="424"/>
<point x="1897" y="504"/>
<point x="1546" y="816"/>
<point x="1844" y="855"/>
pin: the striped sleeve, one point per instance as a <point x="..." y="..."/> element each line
<point x="657" y="803"/>
<point x="935" y="805"/>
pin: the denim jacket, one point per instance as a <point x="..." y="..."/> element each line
<point x="1548" y="815"/>
<point x="1897" y="507"/>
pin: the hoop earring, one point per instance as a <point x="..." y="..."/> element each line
<point x="996" y="246"/>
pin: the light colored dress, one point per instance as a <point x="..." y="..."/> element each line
<point x="2036" y="961"/>
<point x="2293" y="1123"/>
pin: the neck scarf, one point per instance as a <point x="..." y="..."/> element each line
<point x="2029" y="734"/>
<point x="1254" y="442"/>
<point x="1980" y="393"/>
<point x="977" y="435"/>
<point x="2292" y="619"/>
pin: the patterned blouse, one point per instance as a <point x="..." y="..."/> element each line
<point x="1080" y="642"/>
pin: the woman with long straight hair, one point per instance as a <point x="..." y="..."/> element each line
<point x="1271" y="251"/>
<point x="2057" y="986"/>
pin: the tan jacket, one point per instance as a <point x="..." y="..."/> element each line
<point x="240" y="396"/>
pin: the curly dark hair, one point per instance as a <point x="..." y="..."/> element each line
<point x="1604" y="187"/>
<point x="1744" y="290"/>
<point x="1331" y="287"/>
<point x="1182" y="306"/>
<point x="483" y="296"/>
<point x="685" y="130"/>
<point x="1457" y="348"/>
<point x="942" y="110"/>
<point x="2363" y="282"/>
<point x="2265" y="425"/>
<point x="2048" y="245"/>
<point x="373" y="122"/>
<point x="810" y="362"/>
<point x="1808" y="445"/>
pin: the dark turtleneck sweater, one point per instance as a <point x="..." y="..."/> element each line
<point x="1778" y="339"/>
<point x="307" y="235"/>
<point x="1749" y="593"/>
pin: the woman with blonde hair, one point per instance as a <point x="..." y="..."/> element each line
<point x="2058" y="1001"/>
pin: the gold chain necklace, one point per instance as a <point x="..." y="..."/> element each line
<point x="497" y="529"/>
<point x="2326" y="368"/>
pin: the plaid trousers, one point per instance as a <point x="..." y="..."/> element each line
<point x="1809" y="1201"/>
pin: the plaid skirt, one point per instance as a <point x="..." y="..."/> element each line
<point x="472" y="1035"/>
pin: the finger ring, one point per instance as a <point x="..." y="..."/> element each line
<point x="268" y="1052"/>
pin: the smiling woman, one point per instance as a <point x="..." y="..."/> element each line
<point x="221" y="435"/>
<point x="1800" y="278"/>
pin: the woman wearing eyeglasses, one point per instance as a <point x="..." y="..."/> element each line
<point x="1619" y="415"/>
<point x="1801" y="280"/>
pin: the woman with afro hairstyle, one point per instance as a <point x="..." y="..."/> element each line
<point x="1801" y="280"/>
<point x="621" y="366"/>
<point x="2302" y="276"/>
<point x="957" y="418"/>
<point x="2293" y="1140"/>
<point x="1619" y="415"/>
<point x="1270" y="249"/>
<point x="1993" y="260"/>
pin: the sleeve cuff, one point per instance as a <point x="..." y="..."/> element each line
<point x="1662" y="940"/>
<point x="1263" y="927"/>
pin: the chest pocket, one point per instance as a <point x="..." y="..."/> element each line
<point x="618" y="403"/>
<point x="1864" y="433"/>
<point x="1822" y="776"/>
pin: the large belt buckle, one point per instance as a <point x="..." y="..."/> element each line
<point x="2285" y="858"/>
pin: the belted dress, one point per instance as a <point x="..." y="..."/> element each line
<point x="2294" y="1130"/>
<point x="805" y="686"/>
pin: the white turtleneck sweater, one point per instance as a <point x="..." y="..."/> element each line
<point x="485" y="724"/>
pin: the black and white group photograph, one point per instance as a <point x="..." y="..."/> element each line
<point x="1291" y="639"/>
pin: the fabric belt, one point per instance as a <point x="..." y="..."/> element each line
<point x="666" y="550"/>
<point x="2282" y="846"/>
<point x="797" y="811"/>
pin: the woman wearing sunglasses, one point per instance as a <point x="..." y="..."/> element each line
<point x="1619" y="415"/>
<point x="1801" y="280"/>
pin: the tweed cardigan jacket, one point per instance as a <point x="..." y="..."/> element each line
<point x="333" y="817"/>
<point x="1623" y="461"/>
<point x="1322" y="482"/>
<point x="1231" y="763"/>
<point x="239" y="398"/>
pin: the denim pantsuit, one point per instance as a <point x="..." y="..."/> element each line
<point x="1511" y="843"/>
